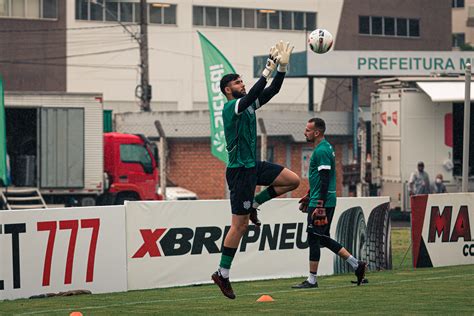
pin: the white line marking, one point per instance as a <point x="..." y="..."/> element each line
<point x="247" y="294"/>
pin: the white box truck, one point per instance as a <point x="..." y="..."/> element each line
<point x="418" y="119"/>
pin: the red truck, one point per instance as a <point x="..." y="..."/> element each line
<point x="130" y="163"/>
<point x="56" y="146"/>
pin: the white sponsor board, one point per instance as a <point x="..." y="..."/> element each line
<point x="386" y="63"/>
<point x="57" y="250"/>
<point x="178" y="243"/>
<point x="446" y="235"/>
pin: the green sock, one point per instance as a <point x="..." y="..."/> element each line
<point x="227" y="257"/>
<point x="266" y="195"/>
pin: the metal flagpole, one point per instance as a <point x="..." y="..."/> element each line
<point x="467" y="119"/>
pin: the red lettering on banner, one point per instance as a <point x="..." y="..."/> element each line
<point x="440" y="224"/>
<point x="383" y="117"/>
<point x="51" y="226"/>
<point x="149" y="243"/>
<point x="462" y="227"/>
<point x="93" y="223"/>
<point x="395" y="117"/>
<point x="73" y="225"/>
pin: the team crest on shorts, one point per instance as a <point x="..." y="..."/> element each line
<point x="247" y="205"/>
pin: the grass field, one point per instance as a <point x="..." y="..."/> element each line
<point x="402" y="290"/>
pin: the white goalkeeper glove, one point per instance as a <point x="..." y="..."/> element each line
<point x="272" y="61"/>
<point x="284" y="51"/>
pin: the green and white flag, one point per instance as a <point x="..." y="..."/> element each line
<point x="215" y="67"/>
<point x="3" y="140"/>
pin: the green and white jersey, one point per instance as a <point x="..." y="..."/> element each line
<point x="240" y="134"/>
<point x="323" y="157"/>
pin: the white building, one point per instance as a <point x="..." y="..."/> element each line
<point x="242" y="30"/>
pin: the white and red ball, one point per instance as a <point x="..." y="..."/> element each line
<point x="320" y="41"/>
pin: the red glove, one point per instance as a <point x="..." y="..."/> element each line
<point x="319" y="214"/>
<point x="304" y="203"/>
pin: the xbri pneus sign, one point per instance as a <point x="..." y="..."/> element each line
<point x="194" y="241"/>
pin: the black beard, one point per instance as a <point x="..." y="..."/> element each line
<point x="238" y="95"/>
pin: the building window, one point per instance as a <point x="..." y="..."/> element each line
<point x="298" y="20"/>
<point x="210" y="16"/>
<point x="377" y="25"/>
<point x="364" y="25"/>
<point x="402" y="29"/>
<point x="286" y="20"/>
<point x="170" y="15"/>
<point x="29" y="9"/>
<point x="254" y="18"/>
<point x="249" y="18"/>
<point x="389" y="26"/>
<point x="126" y="12"/>
<point x="457" y="3"/>
<point x="111" y="11"/>
<point x="224" y="17"/>
<point x="198" y="16"/>
<point x="123" y="11"/>
<point x="236" y="17"/>
<point x="310" y="21"/>
<point x="156" y="15"/>
<point x="414" y="28"/>
<point x="459" y="39"/>
<point x="262" y="20"/>
<point x="274" y="20"/>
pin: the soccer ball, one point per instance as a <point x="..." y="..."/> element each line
<point x="320" y="41"/>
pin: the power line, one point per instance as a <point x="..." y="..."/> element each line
<point x="70" y="56"/>
<point x="67" y="29"/>
<point x="26" y="62"/>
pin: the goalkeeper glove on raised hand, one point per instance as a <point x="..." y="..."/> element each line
<point x="284" y="50"/>
<point x="319" y="214"/>
<point x="272" y="61"/>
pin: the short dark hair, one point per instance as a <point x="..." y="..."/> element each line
<point x="226" y="79"/>
<point x="319" y="124"/>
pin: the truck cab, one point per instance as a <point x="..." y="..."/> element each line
<point x="130" y="164"/>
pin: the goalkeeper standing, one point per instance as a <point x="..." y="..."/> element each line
<point x="244" y="172"/>
<point x="320" y="203"/>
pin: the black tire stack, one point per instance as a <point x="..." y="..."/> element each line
<point x="351" y="233"/>
<point x="379" y="246"/>
<point x="370" y="243"/>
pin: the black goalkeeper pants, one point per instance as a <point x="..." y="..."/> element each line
<point x="315" y="243"/>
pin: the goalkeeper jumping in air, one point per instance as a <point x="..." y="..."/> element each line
<point x="244" y="172"/>
<point x="320" y="203"/>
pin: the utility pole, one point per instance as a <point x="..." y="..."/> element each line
<point x="144" y="89"/>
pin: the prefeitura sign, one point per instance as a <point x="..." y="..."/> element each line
<point x="386" y="63"/>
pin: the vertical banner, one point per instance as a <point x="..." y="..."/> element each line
<point x="442" y="229"/>
<point x="215" y="67"/>
<point x="5" y="181"/>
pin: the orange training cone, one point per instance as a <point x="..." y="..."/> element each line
<point x="265" y="298"/>
<point x="75" y="314"/>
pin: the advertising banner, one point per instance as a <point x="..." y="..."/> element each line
<point x="442" y="229"/>
<point x="59" y="250"/>
<point x="179" y="243"/>
<point x="216" y="66"/>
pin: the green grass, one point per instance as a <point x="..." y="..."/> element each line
<point x="402" y="290"/>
